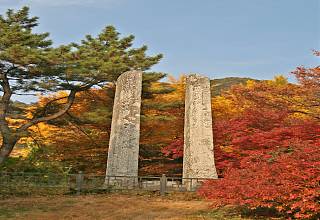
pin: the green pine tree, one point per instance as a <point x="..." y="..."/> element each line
<point x="29" y="64"/>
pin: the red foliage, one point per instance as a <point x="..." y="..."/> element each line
<point x="285" y="179"/>
<point x="262" y="131"/>
<point x="275" y="154"/>
<point x="309" y="77"/>
<point x="174" y="150"/>
<point x="274" y="162"/>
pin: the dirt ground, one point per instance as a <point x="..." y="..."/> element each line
<point x="108" y="206"/>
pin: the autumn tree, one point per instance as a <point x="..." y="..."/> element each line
<point x="309" y="78"/>
<point x="29" y="64"/>
<point x="269" y="151"/>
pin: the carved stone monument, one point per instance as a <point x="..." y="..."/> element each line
<point x="123" y="151"/>
<point x="198" y="158"/>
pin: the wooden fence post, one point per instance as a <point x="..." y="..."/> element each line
<point x="79" y="182"/>
<point x="163" y="185"/>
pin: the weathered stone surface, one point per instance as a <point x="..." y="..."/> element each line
<point x="125" y="128"/>
<point x="198" y="158"/>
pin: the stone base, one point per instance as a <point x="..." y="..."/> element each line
<point x="121" y="182"/>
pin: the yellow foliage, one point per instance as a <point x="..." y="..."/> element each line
<point x="178" y="85"/>
<point x="278" y="80"/>
<point x="223" y="107"/>
<point x="250" y="84"/>
<point x="227" y="149"/>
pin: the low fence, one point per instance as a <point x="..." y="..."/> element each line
<point x="50" y="183"/>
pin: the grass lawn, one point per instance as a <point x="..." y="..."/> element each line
<point x="112" y="206"/>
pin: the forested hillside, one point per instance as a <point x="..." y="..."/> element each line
<point x="219" y="85"/>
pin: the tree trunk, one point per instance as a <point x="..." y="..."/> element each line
<point x="6" y="147"/>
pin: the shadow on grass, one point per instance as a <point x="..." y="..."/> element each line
<point x="236" y="213"/>
<point x="261" y="213"/>
<point x="6" y="213"/>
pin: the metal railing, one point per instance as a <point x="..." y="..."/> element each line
<point x="30" y="183"/>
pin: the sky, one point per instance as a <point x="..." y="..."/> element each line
<point x="247" y="38"/>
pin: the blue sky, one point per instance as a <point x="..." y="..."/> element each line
<point x="247" y="38"/>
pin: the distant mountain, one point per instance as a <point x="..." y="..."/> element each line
<point x="219" y="85"/>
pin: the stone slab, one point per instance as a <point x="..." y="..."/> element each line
<point x="198" y="158"/>
<point x="123" y="153"/>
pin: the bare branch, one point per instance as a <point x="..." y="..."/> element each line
<point x="67" y="106"/>
<point x="49" y="103"/>
<point x="81" y="130"/>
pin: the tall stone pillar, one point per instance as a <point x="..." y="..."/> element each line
<point x="125" y="128"/>
<point x="198" y="158"/>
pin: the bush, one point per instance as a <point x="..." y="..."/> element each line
<point x="288" y="183"/>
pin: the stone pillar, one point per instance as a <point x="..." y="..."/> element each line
<point x="125" y="128"/>
<point x="198" y="158"/>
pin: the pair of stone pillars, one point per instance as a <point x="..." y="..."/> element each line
<point x="198" y="159"/>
